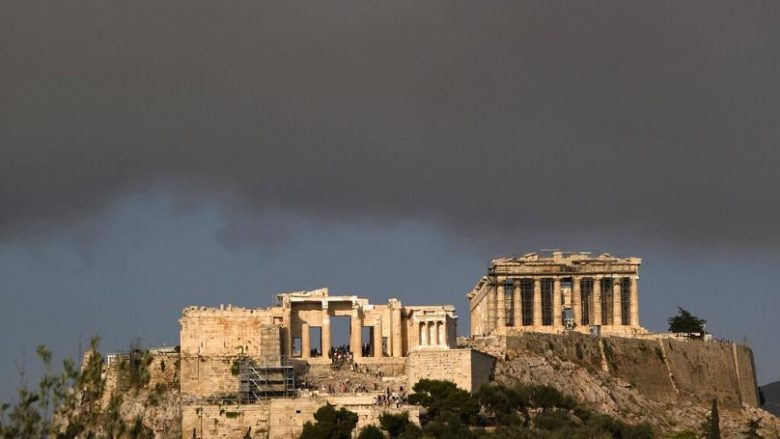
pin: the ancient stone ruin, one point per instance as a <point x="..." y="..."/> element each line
<point x="568" y="320"/>
<point x="259" y="361"/>
<point x="556" y="293"/>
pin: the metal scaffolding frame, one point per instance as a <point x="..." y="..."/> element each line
<point x="260" y="381"/>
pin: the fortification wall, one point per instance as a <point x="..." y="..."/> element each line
<point x="707" y="370"/>
<point x="277" y="418"/>
<point x="213" y="339"/>
<point x="226" y="421"/>
<point x="660" y="368"/>
<point x="746" y="366"/>
<point x="223" y="331"/>
<point x="467" y="368"/>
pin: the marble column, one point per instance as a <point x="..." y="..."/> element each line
<point x="491" y="310"/>
<point x="537" y="301"/>
<point x="500" y="303"/>
<point x="634" y="301"/>
<point x="288" y="333"/>
<point x="305" y="341"/>
<point x="517" y="304"/>
<point x="597" y="300"/>
<point x="356" y="326"/>
<point x="423" y="333"/>
<point x="395" y="329"/>
<point x="617" y="308"/>
<point x="325" y="336"/>
<point x="432" y="334"/>
<point x="557" y="303"/>
<point x="576" y="300"/>
<point x="442" y="333"/>
<point x="378" y="339"/>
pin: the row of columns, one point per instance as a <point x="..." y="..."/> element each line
<point x="497" y="302"/>
<point x="355" y="342"/>
<point x="432" y="333"/>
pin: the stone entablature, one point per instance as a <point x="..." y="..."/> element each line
<point x="562" y="291"/>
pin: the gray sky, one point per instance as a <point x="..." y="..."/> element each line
<point x="154" y="155"/>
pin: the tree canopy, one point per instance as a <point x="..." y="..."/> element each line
<point x="501" y="412"/>
<point x="330" y="424"/>
<point x="685" y="322"/>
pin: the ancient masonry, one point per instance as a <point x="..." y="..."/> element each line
<point x="560" y="292"/>
<point x="265" y="371"/>
<point x="254" y="361"/>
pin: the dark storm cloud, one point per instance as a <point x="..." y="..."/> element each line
<point x="659" y="119"/>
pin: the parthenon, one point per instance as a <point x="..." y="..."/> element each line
<point x="555" y="293"/>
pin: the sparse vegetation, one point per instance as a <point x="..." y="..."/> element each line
<point x="235" y="367"/>
<point x="752" y="430"/>
<point x="609" y="354"/>
<point x="67" y="404"/>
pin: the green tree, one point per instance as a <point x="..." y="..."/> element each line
<point x="68" y="404"/>
<point x="711" y="426"/>
<point x="752" y="430"/>
<point x="685" y="322"/>
<point x="444" y="398"/>
<point x="371" y="432"/>
<point x="330" y="424"/>
<point x="395" y="424"/>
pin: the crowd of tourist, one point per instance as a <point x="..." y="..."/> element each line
<point x="340" y="357"/>
<point x="390" y="398"/>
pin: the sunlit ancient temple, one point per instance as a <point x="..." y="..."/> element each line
<point x="556" y="293"/>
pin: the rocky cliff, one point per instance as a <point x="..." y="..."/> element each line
<point x="668" y="382"/>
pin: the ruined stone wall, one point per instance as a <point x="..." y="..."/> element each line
<point x="467" y="368"/>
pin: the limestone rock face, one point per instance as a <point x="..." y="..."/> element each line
<point x="667" y="383"/>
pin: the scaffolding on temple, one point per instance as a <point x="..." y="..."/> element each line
<point x="260" y="381"/>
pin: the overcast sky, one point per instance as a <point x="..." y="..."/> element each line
<point x="155" y="155"/>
